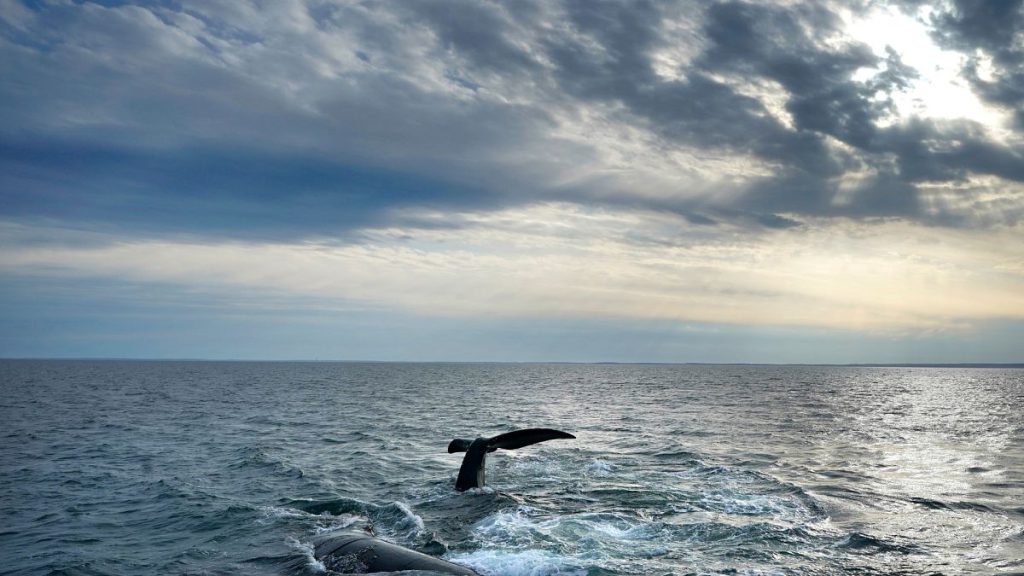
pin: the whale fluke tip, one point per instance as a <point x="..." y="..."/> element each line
<point x="458" y="445"/>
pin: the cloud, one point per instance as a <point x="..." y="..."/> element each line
<point x="560" y="261"/>
<point x="210" y="118"/>
<point x="730" y="164"/>
<point x="990" y="34"/>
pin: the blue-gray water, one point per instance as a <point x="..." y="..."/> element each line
<point x="233" y="468"/>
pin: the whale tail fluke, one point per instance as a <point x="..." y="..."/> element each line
<point x="471" y="474"/>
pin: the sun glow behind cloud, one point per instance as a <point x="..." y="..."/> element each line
<point x="939" y="91"/>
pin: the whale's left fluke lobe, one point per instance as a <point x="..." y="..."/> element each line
<point x="471" y="474"/>
<point x="458" y="445"/>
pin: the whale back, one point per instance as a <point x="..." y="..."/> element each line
<point x="357" y="553"/>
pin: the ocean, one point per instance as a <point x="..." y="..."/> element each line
<point x="218" y="468"/>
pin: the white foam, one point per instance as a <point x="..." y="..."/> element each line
<point x="569" y="542"/>
<point x="533" y="465"/>
<point x="582" y="532"/>
<point x="620" y="529"/>
<point x="739" y="504"/>
<point x="480" y="491"/>
<point x="600" y="468"/>
<point x="520" y="563"/>
<point x="506" y="525"/>
<point x="274" y="512"/>
<point x="306" y="548"/>
<point x="412" y="521"/>
<point x="341" y="522"/>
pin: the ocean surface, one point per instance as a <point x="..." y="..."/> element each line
<point x="127" y="468"/>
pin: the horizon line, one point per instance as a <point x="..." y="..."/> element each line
<point x="579" y="362"/>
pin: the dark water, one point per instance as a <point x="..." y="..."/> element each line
<point x="233" y="468"/>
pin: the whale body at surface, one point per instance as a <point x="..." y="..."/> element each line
<point x="359" y="553"/>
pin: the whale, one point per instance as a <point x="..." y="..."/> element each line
<point x="354" y="552"/>
<point x="359" y="553"/>
<point x="471" y="473"/>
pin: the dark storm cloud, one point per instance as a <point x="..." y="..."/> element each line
<point x="784" y="44"/>
<point x="322" y="118"/>
<point x="825" y="100"/>
<point x="778" y="44"/>
<point x="601" y="51"/>
<point x="608" y="58"/>
<point x="479" y="31"/>
<point x="242" y="193"/>
<point x="163" y="136"/>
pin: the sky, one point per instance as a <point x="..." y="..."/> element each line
<point x="529" y="180"/>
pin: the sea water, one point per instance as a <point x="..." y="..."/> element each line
<point x="117" y="467"/>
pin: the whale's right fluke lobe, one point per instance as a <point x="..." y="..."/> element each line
<point x="471" y="474"/>
<point x="520" y="438"/>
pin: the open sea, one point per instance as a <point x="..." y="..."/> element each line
<point x="224" y="468"/>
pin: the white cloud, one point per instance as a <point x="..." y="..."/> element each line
<point x="563" y="261"/>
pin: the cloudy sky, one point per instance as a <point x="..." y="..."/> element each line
<point x="569" y="180"/>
